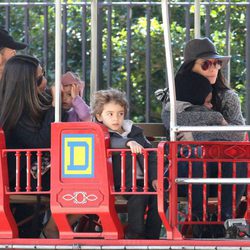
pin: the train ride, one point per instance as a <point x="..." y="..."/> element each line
<point x="81" y="183"/>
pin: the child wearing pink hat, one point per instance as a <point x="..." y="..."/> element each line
<point x="72" y="102"/>
<point x="78" y="110"/>
<point x="74" y="105"/>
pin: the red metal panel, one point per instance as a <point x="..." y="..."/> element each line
<point x="93" y="193"/>
<point x="80" y="178"/>
<point x="8" y="227"/>
<point x="220" y="152"/>
<point x="172" y="232"/>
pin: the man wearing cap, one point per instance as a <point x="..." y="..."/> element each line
<point x="8" y="47"/>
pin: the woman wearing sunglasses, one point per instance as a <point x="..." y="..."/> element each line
<point x="202" y="63"/>
<point x="201" y="57"/>
<point x="201" y="60"/>
<point x="25" y="116"/>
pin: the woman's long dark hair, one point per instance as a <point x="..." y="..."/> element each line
<point x="19" y="94"/>
<point x="219" y="86"/>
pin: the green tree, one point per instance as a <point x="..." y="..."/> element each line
<point x="138" y="43"/>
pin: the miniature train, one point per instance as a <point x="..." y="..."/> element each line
<point x="81" y="182"/>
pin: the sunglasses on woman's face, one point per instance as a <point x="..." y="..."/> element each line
<point x="208" y="64"/>
<point x="40" y="78"/>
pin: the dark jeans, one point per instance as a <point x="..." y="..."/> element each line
<point x="226" y="193"/>
<point x="138" y="207"/>
<point x="137" y="226"/>
<point x="197" y="195"/>
<point x="212" y="172"/>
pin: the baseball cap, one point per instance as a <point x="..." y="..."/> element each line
<point x="7" y="41"/>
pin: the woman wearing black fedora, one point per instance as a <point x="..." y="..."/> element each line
<point x="202" y="63"/>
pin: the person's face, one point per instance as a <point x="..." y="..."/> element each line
<point x="208" y="100"/>
<point x="208" y="68"/>
<point x="6" y="54"/>
<point x="112" y="116"/>
<point x="66" y="97"/>
<point x="40" y="79"/>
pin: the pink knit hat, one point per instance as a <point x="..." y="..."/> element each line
<point x="70" y="78"/>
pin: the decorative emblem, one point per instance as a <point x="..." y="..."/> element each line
<point x="78" y="156"/>
<point x="235" y="152"/>
<point x="80" y="197"/>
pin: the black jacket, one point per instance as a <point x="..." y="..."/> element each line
<point x="25" y="135"/>
<point x="117" y="141"/>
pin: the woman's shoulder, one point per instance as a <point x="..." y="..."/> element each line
<point x="229" y="94"/>
<point x="229" y="97"/>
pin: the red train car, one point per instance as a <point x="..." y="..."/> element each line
<point x="82" y="183"/>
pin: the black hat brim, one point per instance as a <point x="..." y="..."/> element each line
<point x="16" y="45"/>
<point x="224" y="59"/>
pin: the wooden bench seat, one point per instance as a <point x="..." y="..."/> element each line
<point x="155" y="132"/>
<point x="153" y="129"/>
<point x="29" y="199"/>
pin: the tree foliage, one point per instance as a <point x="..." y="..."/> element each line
<point x="139" y="16"/>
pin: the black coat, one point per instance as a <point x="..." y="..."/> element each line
<point x="117" y="141"/>
<point x="25" y="135"/>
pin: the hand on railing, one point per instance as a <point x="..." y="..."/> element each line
<point x="155" y="185"/>
<point x="135" y="147"/>
<point x="185" y="136"/>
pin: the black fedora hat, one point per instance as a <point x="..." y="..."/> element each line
<point x="202" y="48"/>
<point x="7" y="41"/>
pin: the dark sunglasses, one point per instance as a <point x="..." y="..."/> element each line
<point x="208" y="64"/>
<point x="40" y="78"/>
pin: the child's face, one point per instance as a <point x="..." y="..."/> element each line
<point x="41" y="80"/>
<point x="208" y="100"/>
<point x="66" y="97"/>
<point x="112" y="116"/>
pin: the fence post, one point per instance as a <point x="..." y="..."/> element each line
<point x="96" y="48"/>
<point x="248" y="63"/>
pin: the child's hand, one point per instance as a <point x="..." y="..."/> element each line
<point x="185" y="136"/>
<point x="224" y="122"/>
<point x="155" y="184"/>
<point x="135" y="147"/>
<point x="75" y="90"/>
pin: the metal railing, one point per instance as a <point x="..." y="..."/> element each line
<point x="129" y="45"/>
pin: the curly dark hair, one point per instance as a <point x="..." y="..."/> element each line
<point x="102" y="97"/>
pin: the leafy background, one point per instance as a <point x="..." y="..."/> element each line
<point x="138" y="102"/>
